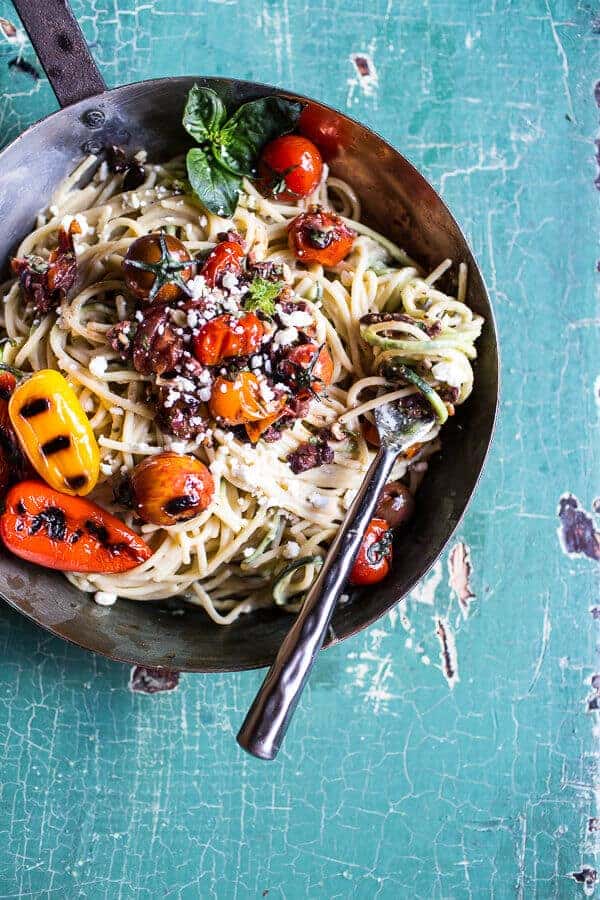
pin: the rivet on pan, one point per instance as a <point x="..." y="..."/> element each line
<point x="93" y="118"/>
<point x="91" y="147"/>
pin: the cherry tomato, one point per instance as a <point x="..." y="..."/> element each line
<point x="60" y="531"/>
<point x="157" y="267"/>
<point x="170" y="488"/>
<point x="328" y="130"/>
<point x="396" y="504"/>
<point x="290" y="167"/>
<point x="307" y="369"/>
<point x="375" y="554"/>
<point x="239" y="401"/>
<point x="254" y="430"/>
<point x="225" y="257"/>
<point x="320" y="237"/>
<point x="226" y="337"/>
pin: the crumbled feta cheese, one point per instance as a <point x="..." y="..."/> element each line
<point x="105" y="598"/>
<point x="196" y="286"/>
<point x="106" y="468"/>
<point x="192" y="318"/>
<point x="448" y="372"/>
<point x="344" y="598"/>
<point x="172" y="396"/>
<point x="98" y="366"/>
<point x="318" y="500"/>
<point x="248" y="551"/>
<point x="285" y="337"/>
<point x="298" y="318"/>
<point x="229" y="281"/>
<point x="255" y="362"/>
<point x="139" y="315"/>
<point x="290" y="550"/>
<point x="265" y="391"/>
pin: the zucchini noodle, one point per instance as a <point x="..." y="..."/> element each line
<point x="267" y="529"/>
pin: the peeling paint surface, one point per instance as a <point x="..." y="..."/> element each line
<point x="397" y="779"/>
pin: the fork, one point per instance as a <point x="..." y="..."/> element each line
<point x="268" y="718"/>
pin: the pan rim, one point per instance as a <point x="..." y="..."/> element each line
<point x="370" y="618"/>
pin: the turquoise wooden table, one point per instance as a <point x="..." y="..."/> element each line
<point x="406" y="773"/>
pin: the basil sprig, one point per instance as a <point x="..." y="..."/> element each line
<point x="230" y="147"/>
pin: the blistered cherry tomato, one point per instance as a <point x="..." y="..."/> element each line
<point x="396" y="504"/>
<point x="225" y="257"/>
<point x="226" y="337"/>
<point x="170" y="488"/>
<point x="320" y="237"/>
<point x="290" y="167"/>
<point x="375" y="554"/>
<point x="156" y="267"/>
<point x="239" y="401"/>
<point x="328" y="130"/>
<point x="307" y="369"/>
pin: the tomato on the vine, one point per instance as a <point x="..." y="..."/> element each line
<point x="307" y="369"/>
<point x="320" y="237"/>
<point x="226" y="337"/>
<point x="225" y="257"/>
<point x="374" y="557"/>
<point x="290" y="167"/>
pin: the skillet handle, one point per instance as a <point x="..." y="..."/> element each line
<point x="266" y="723"/>
<point x="61" y="48"/>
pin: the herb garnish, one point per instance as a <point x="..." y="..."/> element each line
<point x="262" y="296"/>
<point x="230" y="147"/>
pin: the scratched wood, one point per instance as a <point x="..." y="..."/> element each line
<point x="398" y="779"/>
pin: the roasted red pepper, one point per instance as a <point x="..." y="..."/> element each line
<point x="59" y="531"/>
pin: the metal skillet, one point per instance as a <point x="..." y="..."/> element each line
<point x="396" y="200"/>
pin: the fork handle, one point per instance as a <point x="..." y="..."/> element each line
<point x="267" y="720"/>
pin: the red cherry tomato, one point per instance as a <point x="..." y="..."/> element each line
<point x="290" y="167"/>
<point x="328" y="130"/>
<point x="225" y="337"/>
<point x="375" y="554"/>
<point x="320" y="237"/>
<point x="225" y="257"/>
<point x="307" y="369"/>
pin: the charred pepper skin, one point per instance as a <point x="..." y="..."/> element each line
<point x="55" y="433"/>
<point x="59" y="531"/>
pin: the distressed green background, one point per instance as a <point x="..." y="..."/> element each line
<point x="392" y="783"/>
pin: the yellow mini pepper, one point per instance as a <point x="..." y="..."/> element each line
<point x="55" y="433"/>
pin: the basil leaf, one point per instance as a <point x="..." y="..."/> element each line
<point x="204" y="114"/>
<point x="243" y="136"/>
<point x="215" y="186"/>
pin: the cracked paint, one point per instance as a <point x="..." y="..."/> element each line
<point x="148" y="680"/>
<point x="577" y="533"/>
<point x="460" y="570"/>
